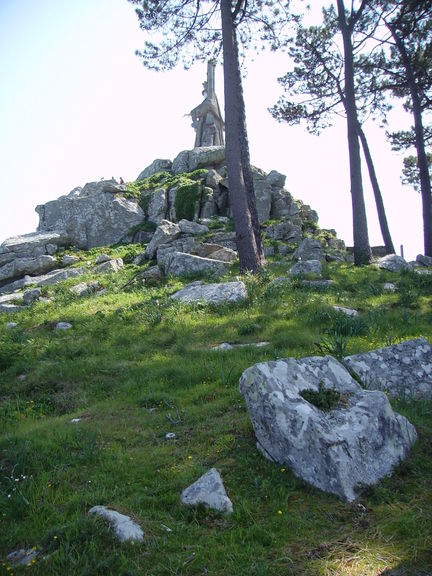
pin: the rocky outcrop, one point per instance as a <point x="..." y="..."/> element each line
<point x="403" y="370"/>
<point x="165" y="233"/>
<point x="98" y="215"/>
<point x="31" y="245"/>
<point x="205" y="156"/>
<point x="159" y="165"/>
<point x="342" y="451"/>
<point x="22" y="266"/>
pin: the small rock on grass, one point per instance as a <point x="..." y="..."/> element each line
<point x="63" y="326"/>
<point x="124" y="527"/>
<point x="22" y="557"/>
<point x="209" y="491"/>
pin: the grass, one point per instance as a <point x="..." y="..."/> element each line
<point x="136" y="366"/>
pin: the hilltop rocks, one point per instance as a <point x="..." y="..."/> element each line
<point x="31" y="245"/>
<point x="93" y="216"/>
<point x="22" y="266"/>
<point x="403" y="370"/>
<point x="159" y="165"/>
<point x="225" y="292"/>
<point x="166" y="232"/>
<point x="190" y="160"/>
<point x="355" y="444"/>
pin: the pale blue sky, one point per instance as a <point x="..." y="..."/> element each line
<point x="77" y="105"/>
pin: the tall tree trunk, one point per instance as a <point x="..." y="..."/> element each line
<point x="245" y="237"/>
<point x="362" y="251"/>
<point x="385" y="231"/>
<point x="422" y="163"/>
<point x="246" y="166"/>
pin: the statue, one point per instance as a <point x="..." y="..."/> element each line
<point x="207" y="118"/>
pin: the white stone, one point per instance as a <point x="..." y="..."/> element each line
<point x="124" y="527"/>
<point x="346" y="311"/>
<point x="208" y="491"/>
<point x="63" y="326"/>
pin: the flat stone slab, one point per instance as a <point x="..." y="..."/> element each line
<point x="403" y="370"/>
<point x="124" y="527"/>
<point x="341" y="451"/>
<point x="180" y="264"/>
<point x="225" y="292"/>
<point x="208" y="491"/>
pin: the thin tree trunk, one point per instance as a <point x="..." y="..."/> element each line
<point x="425" y="185"/>
<point x="362" y="251"/>
<point x="245" y="237"/>
<point x="385" y="231"/>
<point x="246" y="167"/>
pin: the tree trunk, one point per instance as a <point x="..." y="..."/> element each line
<point x="425" y="185"/>
<point x="385" y="231"/>
<point x="245" y="159"/>
<point x="362" y="251"/>
<point x="245" y="237"/>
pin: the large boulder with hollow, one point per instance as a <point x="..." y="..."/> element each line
<point x="341" y="451"/>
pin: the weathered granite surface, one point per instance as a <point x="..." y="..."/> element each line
<point x="180" y="264"/>
<point x="96" y="216"/>
<point x="165" y="233"/>
<point x="393" y="263"/>
<point x="306" y="267"/>
<point x="225" y="292"/>
<point x="208" y="491"/>
<point x="309" y="249"/>
<point x="403" y="370"/>
<point x="341" y="451"/>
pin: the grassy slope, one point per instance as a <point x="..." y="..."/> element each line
<point x="134" y="367"/>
